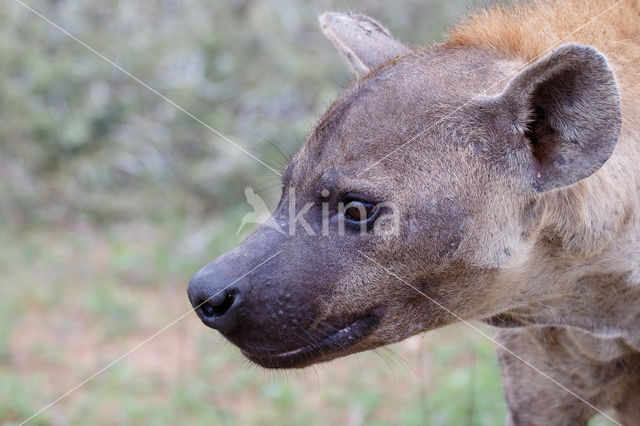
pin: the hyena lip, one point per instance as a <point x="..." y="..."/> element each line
<point x="326" y="349"/>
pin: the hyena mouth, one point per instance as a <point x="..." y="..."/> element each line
<point x="322" y="349"/>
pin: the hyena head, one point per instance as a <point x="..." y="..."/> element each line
<point x="413" y="195"/>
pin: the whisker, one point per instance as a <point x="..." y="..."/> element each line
<point x="285" y="157"/>
<point x="408" y="368"/>
<point x="262" y="189"/>
<point x="383" y="356"/>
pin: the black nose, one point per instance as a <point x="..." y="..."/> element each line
<point x="216" y="303"/>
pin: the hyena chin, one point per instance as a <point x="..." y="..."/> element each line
<point x="494" y="177"/>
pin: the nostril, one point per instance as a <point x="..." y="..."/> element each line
<point x="208" y="310"/>
<point x="218" y="306"/>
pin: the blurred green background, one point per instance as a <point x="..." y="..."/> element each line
<point x="110" y="198"/>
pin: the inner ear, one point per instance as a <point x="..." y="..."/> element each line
<point x="567" y="106"/>
<point x="549" y="119"/>
<point x="541" y="136"/>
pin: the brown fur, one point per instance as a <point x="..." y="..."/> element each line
<point x="512" y="168"/>
<point x="526" y="32"/>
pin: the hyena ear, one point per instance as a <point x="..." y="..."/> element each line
<point x="567" y="106"/>
<point x="364" y="43"/>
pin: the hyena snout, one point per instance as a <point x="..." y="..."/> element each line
<point x="269" y="297"/>
<point x="223" y="293"/>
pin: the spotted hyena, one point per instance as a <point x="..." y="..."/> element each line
<point x="495" y="177"/>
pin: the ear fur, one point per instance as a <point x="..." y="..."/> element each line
<point x="363" y="42"/>
<point x="567" y="106"/>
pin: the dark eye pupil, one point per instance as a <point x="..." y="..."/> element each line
<point x="353" y="213"/>
<point x="359" y="211"/>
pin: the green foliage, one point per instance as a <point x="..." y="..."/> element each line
<point x="16" y="403"/>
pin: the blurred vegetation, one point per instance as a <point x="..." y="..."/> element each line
<point x="81" y="140"/>
<point x="111" y="197"/>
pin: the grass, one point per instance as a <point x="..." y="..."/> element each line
<point x="76" y="299"/>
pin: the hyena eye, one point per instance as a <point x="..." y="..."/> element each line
<point x="359" y="211"/>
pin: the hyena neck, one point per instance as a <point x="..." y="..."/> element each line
<point x="593" y="217"/>
<point x="581" y="271"/>
<point x="600" y="304"/>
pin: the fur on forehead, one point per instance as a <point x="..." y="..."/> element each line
<point x="418" y="94"/>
